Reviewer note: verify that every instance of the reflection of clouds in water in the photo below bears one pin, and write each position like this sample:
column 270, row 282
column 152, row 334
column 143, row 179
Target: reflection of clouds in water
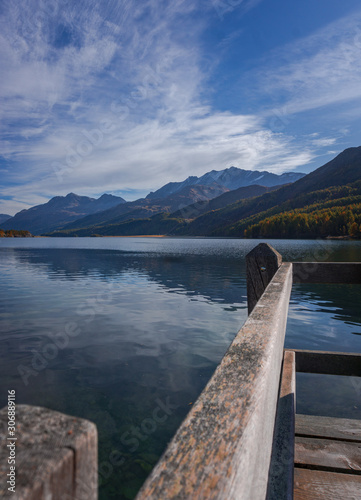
column 324, row 317
column 330, row 331
column 145, row 322
column 206, row 275
column 300, row 315
column 159, row 344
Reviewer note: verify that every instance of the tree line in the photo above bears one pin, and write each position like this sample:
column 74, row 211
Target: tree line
column 341, row 220
column 13, row 233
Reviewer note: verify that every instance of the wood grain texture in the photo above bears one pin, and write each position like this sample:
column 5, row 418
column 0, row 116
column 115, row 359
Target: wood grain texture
column 328, row 363
column 327, row 427
column 280, row 480
column 326, row 454
column 320, row 485
column 327, row 272
column 261, row 265
column 223, row 448
column 56, row 456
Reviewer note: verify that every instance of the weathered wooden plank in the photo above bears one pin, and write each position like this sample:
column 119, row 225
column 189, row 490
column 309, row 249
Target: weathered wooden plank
column 326, row 454
column 223, row 448
column 327, row 427
column 329, row 363
column 56, row 456
column 261, row 265
column 280, row 480
column 327, row 272
column 320, row 485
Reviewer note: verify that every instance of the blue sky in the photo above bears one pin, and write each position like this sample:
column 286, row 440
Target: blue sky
column 122, row 96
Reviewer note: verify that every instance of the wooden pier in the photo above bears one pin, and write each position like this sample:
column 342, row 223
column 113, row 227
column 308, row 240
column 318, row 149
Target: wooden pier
column 242, row 439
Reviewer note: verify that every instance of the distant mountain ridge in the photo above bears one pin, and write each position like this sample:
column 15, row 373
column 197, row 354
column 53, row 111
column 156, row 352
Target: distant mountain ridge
column 4, row 217
column 146, row 207
column 59, row 211
column 231, row 178
column 77, row 212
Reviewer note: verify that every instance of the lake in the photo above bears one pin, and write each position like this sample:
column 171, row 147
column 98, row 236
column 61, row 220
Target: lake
column 121, row 330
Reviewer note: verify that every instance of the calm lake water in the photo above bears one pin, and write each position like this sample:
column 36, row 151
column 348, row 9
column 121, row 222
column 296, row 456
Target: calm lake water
column 126, row 332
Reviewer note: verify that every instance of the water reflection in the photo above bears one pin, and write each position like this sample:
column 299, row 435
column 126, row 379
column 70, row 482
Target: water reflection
column 217, row 279
column 140, row 331
column 326, row 318
column 146, row 323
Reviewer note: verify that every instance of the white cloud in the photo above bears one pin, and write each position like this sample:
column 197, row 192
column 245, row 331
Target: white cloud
column 85, row 64
column 146, row 155
column 324, row 142
column 321, row 70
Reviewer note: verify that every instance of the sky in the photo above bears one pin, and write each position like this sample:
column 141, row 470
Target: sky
column 123, row 96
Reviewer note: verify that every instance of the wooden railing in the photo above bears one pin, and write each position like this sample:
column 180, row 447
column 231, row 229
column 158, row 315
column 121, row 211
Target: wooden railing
column 223, row 448
column 237, row 442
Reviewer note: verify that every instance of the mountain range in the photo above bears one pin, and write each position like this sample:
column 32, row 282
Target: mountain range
column 77, row 212
column 342, row 170
column 326, row 202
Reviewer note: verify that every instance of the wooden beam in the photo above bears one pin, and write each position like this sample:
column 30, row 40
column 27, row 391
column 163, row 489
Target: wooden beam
column 327, row 272
column 223, row 448
column 280, row 481
column 320, row 485
column 261, row 265
column 56, row 456
column 342, row 429
column 329, row 455
column 328, row 363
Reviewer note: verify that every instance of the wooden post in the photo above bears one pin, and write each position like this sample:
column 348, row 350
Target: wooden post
column 261, row 263
column 56, row 456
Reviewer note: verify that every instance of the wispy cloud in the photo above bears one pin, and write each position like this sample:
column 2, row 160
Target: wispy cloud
column 136, row 76
column 320, row 70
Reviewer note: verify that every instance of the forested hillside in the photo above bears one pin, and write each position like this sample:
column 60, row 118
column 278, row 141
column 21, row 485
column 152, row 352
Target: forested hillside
column 328, row 212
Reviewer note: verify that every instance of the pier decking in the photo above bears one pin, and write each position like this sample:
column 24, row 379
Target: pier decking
column 327, row 458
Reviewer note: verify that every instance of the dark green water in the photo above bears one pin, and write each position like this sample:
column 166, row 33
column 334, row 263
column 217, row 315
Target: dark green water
column 126, row 332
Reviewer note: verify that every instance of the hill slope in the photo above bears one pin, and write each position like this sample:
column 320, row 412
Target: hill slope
column 242, row 193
